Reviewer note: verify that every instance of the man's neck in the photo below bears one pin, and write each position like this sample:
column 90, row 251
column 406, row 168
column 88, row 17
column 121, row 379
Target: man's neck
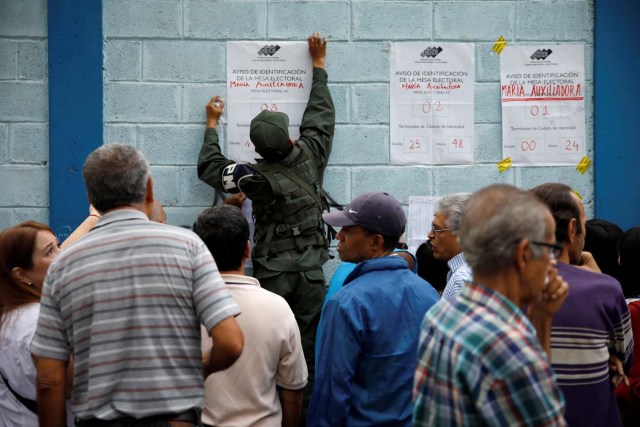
column 505, row 282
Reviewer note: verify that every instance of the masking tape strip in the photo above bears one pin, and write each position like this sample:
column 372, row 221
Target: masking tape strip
column 499, row 46
column 583, row 165
column 504, row 165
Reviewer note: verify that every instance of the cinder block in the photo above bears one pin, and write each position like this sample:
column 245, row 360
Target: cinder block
column 529, row 177
column 196, row 96
column 400, row 182
column 341, row 101
column 8, row 59
column 358, row 62
column 488, row 63
column 123, row 134
column 473, row 20
column 32, row 214
column 183, row 61
column 171, row 145
column 23, row 18
column 545, row 20
column 142, row 18
column 360, row 145
column 337, row 184
column 24, row 101
column 488, row 107
column 379, row 20
column 165, row 184
column 183, row 217
column 4, row 143
column 244, row 20
column 29, row 185
column 371, row 103
column 488, row 144
column 32, row 60
column 295, row 21
column 192, row 191
column 6, row 218
column 29, row 143
column 122, row 60
column 141, row 102
column 454, row 179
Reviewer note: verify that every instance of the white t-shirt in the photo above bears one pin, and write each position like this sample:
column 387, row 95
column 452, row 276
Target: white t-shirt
column 245, row 394
column 16, row 364
column 18, row 328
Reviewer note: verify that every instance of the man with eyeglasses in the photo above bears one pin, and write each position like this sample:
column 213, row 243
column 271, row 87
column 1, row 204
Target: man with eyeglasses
column 591, row 338
column 444, row 241
column 481, row 360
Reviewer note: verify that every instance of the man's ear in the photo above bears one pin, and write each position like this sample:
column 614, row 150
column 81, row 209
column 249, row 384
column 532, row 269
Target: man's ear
column 247, row 250
column 378, row 242
column 149, row 194
column 520, row 255
column 571, row 230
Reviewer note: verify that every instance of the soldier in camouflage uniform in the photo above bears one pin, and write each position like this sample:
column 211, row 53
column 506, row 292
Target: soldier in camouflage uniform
column 290, row 244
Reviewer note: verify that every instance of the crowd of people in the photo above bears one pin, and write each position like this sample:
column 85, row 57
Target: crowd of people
column 500, row 318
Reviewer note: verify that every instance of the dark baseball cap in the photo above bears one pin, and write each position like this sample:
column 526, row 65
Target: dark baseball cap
column 376, row 212
column 269, row 133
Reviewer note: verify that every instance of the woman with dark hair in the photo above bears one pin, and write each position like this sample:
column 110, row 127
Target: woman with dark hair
column 629, row 258
column 26, row 251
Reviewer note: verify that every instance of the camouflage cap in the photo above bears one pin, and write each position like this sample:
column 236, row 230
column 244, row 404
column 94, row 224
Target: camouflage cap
column 270, row 134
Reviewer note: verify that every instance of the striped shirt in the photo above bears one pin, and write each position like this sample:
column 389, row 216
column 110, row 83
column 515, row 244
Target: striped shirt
column 459, row 274
column 127, row 301
column 592, row 323
column 480, row 363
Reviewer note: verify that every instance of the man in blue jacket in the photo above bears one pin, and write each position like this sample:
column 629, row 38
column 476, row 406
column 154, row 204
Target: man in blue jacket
column 370, row 327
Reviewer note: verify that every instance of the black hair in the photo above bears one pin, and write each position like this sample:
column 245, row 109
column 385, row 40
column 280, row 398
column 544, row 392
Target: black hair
column 225, row 231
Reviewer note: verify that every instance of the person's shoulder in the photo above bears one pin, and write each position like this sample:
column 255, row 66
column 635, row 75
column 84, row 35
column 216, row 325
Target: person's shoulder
column 586, row 279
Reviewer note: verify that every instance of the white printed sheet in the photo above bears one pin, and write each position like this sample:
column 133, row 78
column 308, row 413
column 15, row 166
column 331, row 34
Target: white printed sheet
column 542, row 91
column 264, row 75
column 431, row 102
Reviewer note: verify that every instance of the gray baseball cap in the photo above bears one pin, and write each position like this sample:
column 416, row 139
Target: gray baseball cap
column 376, row 212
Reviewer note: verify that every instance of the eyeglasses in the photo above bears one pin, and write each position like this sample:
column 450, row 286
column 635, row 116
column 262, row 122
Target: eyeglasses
column 437, row 231
column 555, row 250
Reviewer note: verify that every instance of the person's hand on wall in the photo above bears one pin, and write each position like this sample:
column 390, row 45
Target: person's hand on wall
column 317, row 49
column 214, row 109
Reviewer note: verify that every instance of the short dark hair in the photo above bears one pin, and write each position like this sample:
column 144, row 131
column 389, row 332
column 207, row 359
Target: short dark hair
column 225, row 231
column 563, row 206
column 115, row 175
column 602, row 241
column 629, row 250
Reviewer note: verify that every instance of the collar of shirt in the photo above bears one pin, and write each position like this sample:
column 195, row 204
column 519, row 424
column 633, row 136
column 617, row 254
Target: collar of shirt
column 238, row 279
column 455, row 262
column 497, row 303
column 120, row 215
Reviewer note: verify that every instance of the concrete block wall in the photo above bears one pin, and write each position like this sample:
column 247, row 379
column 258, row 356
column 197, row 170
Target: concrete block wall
column 24, row 116
column 164, row 59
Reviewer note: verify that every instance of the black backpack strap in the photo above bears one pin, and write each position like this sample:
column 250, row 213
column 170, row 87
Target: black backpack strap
column 28, row 403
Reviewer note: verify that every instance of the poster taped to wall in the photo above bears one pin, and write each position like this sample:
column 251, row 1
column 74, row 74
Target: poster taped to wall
column 264, row 75
column 431, row 101
column 542, row 91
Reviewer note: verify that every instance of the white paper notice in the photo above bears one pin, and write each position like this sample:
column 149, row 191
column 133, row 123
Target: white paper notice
column 264, row 75
column 543, row 104
column 431, row 91
column 421, row 209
